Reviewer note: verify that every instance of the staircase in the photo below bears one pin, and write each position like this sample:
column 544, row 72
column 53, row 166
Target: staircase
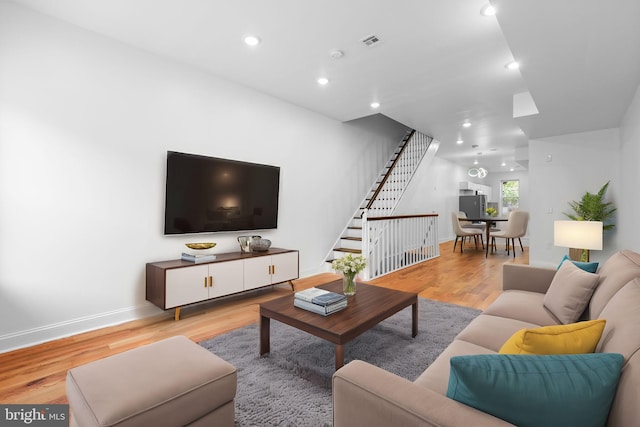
column 385, row 194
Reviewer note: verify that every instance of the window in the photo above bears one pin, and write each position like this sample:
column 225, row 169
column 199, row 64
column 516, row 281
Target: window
column 509, row 196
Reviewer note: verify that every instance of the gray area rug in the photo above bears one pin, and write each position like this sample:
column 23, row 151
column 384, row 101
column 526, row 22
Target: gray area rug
column 291, row 386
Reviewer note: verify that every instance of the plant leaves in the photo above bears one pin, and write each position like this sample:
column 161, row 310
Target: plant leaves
column 592, row 207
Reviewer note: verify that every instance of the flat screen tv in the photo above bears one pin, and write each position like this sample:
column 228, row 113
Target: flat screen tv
column 208, row 194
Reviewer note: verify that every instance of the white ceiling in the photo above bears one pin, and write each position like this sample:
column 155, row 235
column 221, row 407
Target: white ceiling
column 439, row 62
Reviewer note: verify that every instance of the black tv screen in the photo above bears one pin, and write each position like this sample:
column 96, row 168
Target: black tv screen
column 208, row 194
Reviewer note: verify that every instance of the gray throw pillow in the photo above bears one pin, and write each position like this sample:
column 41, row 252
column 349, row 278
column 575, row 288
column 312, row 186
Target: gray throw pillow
column 570, row 292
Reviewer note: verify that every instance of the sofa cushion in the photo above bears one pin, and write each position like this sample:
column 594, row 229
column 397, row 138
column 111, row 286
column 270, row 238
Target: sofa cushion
column 570, row 292
column 622, row 335
column 574, row 338
column 436, row 376
column 590, row 267
column 616, row 272
column 526, row 306
column 491, row 332
column 566, row 390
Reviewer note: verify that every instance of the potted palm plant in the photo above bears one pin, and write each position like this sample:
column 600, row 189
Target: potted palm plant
column 592, row 207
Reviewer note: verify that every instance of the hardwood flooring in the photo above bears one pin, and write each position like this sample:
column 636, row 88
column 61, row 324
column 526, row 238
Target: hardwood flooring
column 36, row 375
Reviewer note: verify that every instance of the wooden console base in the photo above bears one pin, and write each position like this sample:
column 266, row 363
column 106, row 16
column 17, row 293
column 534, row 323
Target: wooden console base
column 178, row 283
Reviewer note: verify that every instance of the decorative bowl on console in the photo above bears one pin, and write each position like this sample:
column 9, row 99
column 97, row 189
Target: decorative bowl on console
column 200, row 246
column 260, row 245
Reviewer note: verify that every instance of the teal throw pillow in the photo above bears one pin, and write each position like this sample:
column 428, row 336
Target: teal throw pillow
column 533, row 391
column 590, row 267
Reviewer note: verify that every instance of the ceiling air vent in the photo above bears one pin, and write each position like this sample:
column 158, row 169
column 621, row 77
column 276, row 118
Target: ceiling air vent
column 371, row 40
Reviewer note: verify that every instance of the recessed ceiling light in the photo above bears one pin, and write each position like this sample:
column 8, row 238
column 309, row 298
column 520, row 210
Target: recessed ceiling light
column 511, row 170
column 459, row 141
column 323, row 81
column 503, row 164
column 475, row 162
column 252, row 40
column 513, row 65
column 488, row 10
column 375, row 105
column 466, row 124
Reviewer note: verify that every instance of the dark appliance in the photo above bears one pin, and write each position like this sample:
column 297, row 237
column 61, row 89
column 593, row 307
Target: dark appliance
column 209, row 194
column 474, row 206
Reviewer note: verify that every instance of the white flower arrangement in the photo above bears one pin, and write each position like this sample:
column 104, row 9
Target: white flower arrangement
column 350, row 264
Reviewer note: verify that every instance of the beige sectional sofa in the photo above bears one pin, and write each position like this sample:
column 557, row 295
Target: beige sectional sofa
column 364, row 395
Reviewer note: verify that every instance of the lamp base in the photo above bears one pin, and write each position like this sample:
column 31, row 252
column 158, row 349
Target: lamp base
column 576, row 254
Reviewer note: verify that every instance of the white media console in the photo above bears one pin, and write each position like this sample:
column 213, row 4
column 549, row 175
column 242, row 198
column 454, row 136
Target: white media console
column 177, row 283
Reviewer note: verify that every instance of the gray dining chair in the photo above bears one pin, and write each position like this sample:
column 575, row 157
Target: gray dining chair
column 516, row 228
column 468, row 224
column 462, row 233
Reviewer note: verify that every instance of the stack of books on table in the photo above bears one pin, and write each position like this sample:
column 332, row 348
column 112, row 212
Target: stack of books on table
column 320, row 301
column 198, row 257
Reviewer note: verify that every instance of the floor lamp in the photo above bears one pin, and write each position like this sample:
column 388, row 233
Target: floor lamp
column 579, row 237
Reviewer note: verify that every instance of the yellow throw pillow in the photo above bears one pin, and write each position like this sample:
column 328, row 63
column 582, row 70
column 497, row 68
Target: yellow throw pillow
column 574, row 338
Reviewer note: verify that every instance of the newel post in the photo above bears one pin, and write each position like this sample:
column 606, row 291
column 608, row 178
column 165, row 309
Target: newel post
column 366, row 275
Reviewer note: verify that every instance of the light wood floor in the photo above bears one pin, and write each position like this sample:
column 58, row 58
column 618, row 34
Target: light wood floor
column 36, row 375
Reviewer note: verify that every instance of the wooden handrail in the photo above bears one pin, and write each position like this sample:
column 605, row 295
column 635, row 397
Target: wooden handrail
column 383, row 218
column 386, row 176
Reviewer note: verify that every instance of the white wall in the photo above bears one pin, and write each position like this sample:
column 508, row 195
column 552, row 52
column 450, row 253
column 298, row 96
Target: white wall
column 434, row 189
column 85, row 123
column 629, row 201
column 579, row 162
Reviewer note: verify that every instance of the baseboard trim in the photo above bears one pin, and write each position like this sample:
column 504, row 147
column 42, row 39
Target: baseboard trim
column 42, row 334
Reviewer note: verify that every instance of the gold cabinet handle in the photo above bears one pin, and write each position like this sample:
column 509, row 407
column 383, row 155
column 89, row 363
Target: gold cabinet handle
column 211, row 281
column 205, row 282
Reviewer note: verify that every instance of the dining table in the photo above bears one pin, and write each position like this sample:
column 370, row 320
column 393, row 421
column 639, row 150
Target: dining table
column 489, row 221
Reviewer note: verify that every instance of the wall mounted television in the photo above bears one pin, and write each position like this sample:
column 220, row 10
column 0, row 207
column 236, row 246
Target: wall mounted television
column 209, row 194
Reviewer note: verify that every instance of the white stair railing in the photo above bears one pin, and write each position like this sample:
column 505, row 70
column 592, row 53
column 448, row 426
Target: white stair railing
column 395, row 242
column 386, row 199
column 389, row 242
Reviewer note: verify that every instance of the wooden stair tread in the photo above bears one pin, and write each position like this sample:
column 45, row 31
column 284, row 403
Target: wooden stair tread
column 349, row 250
column 357, row 239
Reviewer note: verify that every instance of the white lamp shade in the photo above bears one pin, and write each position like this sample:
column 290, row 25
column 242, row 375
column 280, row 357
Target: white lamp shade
column 578, row 234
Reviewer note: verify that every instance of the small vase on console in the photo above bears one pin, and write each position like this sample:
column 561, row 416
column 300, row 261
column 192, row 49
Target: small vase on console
column 245, row 243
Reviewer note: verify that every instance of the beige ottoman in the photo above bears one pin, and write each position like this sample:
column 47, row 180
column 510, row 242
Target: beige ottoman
column 173, row 382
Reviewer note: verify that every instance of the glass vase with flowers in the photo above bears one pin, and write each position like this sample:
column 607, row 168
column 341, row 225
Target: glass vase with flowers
column 349, row 265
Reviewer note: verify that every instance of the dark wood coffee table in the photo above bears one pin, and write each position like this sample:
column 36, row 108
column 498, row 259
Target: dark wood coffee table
column 370, row 306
